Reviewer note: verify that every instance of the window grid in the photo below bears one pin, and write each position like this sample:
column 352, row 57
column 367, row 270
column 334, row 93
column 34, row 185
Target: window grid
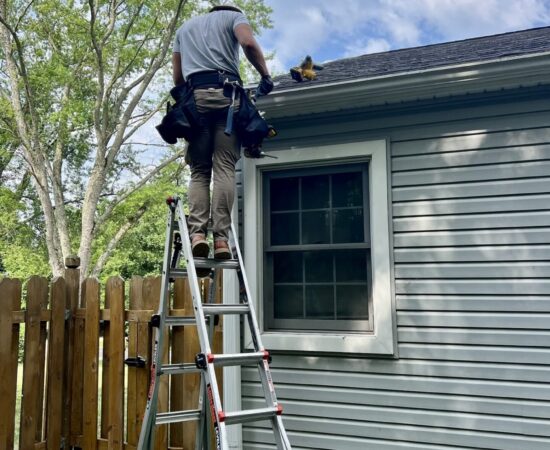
column 270, row 250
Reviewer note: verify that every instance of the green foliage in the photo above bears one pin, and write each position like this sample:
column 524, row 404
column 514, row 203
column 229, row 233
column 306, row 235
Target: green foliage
column 22, row 251
column 73, row 62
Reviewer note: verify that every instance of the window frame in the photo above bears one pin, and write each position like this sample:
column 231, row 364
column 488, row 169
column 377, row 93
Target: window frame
column 382, row 340
column 314, row 325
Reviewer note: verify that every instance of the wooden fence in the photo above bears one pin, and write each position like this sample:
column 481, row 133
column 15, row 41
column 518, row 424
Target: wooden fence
column 76, row 390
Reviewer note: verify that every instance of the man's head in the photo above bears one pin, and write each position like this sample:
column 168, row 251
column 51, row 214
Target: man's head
column 225, row 7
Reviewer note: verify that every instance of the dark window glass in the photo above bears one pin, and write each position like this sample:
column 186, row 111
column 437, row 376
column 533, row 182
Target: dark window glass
column 318, row 267
column 320, row 260
column 347, row 189
column 284, row 194
column 288, row 302
column 352, row 302
column 315, row 192
column 348, row 225
column 320, row 302
column 351, row 265
column 285, row 229
column 287, row 267
column 316, row 227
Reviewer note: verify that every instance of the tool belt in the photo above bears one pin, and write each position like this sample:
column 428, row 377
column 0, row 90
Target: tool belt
column 211, row 79
column 182, row 120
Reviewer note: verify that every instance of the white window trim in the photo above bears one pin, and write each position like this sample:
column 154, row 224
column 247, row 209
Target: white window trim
column 381, row 341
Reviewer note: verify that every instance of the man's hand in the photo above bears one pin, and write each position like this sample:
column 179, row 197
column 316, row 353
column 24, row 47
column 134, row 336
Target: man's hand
column 265, row 86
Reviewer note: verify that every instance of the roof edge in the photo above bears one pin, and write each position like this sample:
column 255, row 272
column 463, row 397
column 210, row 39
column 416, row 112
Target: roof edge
column 472, row 77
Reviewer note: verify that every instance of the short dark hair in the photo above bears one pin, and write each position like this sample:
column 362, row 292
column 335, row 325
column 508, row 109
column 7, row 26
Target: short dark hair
column 225, row 8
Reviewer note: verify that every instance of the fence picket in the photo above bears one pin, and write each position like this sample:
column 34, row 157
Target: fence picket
column 10, row 292
column 133, row 415
column 78, row 372
column 91, row 350
column 31, row 409
column 55, row 365
column 115, row 294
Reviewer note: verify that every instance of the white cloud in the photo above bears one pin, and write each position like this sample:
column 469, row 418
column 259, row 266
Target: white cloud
column 332, row 29
column 361, row 47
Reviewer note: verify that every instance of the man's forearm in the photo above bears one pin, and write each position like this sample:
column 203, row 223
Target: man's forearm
column 254, row 54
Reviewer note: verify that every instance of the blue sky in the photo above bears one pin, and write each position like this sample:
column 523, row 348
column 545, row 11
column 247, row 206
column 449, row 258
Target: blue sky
column 333, row 29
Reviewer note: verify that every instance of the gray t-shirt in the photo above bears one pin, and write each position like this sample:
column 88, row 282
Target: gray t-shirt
column 208, row 42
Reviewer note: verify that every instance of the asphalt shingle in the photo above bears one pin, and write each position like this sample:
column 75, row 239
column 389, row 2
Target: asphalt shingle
column 485, row 48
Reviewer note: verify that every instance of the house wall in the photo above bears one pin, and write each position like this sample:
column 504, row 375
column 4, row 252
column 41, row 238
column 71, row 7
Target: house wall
column 470, row 187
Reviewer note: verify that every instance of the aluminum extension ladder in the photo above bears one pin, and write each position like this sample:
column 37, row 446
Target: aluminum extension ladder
column 177, row 235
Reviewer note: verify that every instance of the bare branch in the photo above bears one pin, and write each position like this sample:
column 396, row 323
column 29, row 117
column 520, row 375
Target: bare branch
column 116, row 239
column 22, row 16
column 125, row 194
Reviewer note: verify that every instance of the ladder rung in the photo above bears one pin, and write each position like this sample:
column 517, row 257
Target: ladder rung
column 250, row 415
column 210, row 263
column 176, row 369
column 178, row 416
column 225, row 309
column 177, row 273
column 179, row 321
column 235, row 359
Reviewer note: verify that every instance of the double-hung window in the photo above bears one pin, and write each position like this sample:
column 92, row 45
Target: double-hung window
column 317, row 248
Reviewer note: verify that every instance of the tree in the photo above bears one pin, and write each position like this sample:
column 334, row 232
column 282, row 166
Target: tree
column 79, row 80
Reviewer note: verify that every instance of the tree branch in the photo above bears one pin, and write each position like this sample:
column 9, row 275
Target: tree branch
column 127, row 193
column 116, row 239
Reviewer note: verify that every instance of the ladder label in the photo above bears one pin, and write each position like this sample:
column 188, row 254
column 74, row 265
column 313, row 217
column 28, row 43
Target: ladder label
column 213, row 413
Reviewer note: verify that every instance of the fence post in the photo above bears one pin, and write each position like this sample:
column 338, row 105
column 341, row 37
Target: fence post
column 56, row 337
column 10, row 292
column 72, row 286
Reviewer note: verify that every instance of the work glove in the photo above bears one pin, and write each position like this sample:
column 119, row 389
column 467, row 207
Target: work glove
column 265, row 86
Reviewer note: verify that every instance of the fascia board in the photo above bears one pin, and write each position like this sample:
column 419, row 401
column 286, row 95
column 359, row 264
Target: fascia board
column 504, row 73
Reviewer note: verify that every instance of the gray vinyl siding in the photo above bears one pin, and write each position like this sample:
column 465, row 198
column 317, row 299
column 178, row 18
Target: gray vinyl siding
column 470, row 188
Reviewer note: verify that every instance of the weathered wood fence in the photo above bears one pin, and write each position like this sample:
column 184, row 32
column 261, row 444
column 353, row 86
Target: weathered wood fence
column 76, row 390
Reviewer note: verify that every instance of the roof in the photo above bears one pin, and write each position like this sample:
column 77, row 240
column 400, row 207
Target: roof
column 479, row 49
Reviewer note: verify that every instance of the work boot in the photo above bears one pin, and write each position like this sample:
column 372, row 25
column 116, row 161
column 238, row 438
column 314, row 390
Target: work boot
column 200, row 246
column 200, row 249
column 221, row 250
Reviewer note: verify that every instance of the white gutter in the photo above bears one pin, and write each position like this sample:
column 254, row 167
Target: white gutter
column 494, row 75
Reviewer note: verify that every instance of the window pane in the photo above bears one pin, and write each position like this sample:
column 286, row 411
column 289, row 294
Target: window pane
column 318, row 267
column 352, row 302
column 285, row 229
column 287, row 267
column 351, row 265
column 347, row 189
column 315, row 192
column 320, row 302
column 348, row 225
column 288, row 302
column 284, row 194
column 315, row 227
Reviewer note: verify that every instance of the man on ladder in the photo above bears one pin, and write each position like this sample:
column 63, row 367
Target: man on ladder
column 206, row 56
column 205, row 72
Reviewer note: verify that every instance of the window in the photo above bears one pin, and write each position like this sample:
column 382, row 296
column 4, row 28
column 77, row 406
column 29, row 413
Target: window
column 317, row 249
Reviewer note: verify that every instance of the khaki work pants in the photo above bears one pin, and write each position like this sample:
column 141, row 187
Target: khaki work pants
column 212, row 154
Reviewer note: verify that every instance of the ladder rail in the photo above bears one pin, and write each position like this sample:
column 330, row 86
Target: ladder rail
column 212, row 390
